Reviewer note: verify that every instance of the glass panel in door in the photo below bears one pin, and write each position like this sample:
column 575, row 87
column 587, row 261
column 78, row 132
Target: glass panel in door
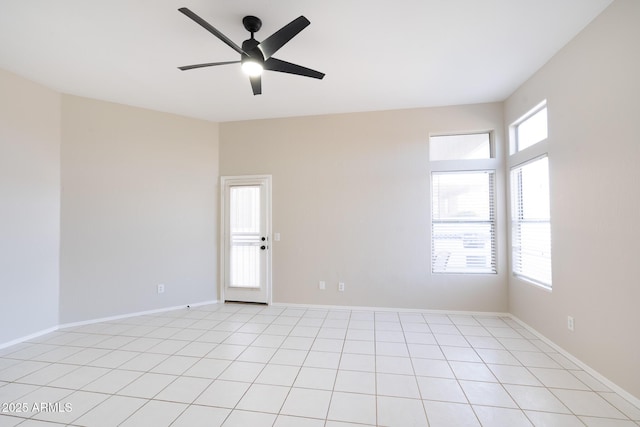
column 245, row 234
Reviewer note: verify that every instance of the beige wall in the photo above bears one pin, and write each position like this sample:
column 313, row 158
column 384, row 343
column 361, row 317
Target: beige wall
column 351, row 201
column 592, row 89
column 29, row 207
column 139, row 208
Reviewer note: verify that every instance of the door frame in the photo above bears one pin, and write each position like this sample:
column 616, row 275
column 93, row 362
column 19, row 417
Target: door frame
column 239, row 179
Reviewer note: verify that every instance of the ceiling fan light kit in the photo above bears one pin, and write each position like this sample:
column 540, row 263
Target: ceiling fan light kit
column 257, row 56
column 251, row 67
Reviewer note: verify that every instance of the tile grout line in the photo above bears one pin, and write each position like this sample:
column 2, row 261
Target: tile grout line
column 248, row 345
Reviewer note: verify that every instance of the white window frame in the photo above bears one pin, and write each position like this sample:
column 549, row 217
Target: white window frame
column 518, row 159
column 492, row 151
column 491, row 164
column 514, row 146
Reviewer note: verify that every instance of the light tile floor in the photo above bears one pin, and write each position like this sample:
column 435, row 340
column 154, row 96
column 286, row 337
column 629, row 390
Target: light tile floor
column 253, row 366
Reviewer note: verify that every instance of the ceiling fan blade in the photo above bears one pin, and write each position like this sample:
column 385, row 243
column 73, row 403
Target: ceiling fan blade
column 256, row 84
column 275, row 41
column 209, row 64
column 274, row 64
column 204, row 24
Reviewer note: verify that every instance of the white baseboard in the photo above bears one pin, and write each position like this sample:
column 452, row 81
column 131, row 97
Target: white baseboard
column 100, row 320
column 597, row 375
column 28, row 337
column 385, row 309
column 199, row 304
column 127, row 315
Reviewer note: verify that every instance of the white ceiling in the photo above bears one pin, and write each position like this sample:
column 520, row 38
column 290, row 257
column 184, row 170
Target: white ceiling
column 377, row 54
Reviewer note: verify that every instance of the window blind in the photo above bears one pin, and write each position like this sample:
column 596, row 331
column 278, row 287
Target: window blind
column 463, row 222
column 531, row 221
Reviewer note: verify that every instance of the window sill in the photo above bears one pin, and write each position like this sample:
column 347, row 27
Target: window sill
column 528, row 281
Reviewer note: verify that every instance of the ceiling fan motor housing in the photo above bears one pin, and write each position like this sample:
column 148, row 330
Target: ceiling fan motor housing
column 250, row 47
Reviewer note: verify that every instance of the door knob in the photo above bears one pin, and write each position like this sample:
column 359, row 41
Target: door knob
column 263, row 247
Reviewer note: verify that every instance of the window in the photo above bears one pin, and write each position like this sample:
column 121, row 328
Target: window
column 530, row 129
column 460, row 147
column 531, row 221
column 463, row 222
column 530, row 198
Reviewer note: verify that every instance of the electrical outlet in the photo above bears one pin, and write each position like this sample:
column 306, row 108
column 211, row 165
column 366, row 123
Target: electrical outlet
column 570, row 323
column 161, row 289
column 341, row 286
column 322, row 285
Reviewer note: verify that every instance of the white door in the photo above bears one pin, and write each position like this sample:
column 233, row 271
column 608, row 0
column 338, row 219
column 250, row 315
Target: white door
column 246, row 224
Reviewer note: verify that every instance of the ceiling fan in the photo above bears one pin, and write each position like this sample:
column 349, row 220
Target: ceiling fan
column 256, row 56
